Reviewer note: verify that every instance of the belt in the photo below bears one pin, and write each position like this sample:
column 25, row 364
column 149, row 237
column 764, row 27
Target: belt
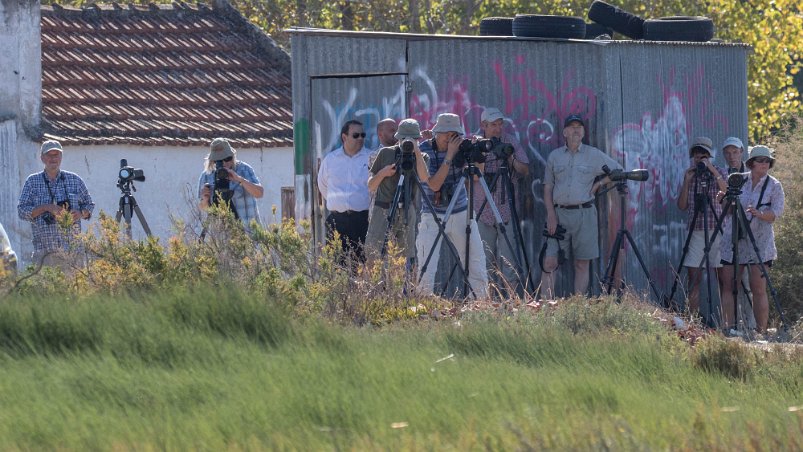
column 349, row 212
column 584, row 205
column 382, row 205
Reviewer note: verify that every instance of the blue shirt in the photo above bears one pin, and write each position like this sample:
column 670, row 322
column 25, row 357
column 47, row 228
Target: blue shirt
column 243, row 202
column 39, row 190
column 441, row 201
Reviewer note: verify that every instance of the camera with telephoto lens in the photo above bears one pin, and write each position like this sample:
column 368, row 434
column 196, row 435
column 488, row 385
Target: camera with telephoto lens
column 501, row 150
column 472, row 152
column 49, row 218
column 701, row 171
column 405, row 157
column 638, row 175
column 129, row 173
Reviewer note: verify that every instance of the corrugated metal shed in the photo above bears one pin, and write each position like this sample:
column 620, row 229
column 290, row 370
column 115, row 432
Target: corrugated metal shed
column 643, row 103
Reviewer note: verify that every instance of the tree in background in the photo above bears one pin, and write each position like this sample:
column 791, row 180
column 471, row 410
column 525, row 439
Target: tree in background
column 773, row 27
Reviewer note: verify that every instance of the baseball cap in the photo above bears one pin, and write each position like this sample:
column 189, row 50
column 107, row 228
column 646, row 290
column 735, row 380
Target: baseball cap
column 704, row 143
column 572, row 118
column 49, row 145
column 491, row 114
column 733, row 141
column 448, row 122
column 220, row 149
column 408, row 128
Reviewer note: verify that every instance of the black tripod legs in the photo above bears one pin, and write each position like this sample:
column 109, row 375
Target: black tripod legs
column 128, row 208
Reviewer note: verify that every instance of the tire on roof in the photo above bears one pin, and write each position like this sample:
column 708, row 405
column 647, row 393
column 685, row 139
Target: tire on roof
column 618, row 19
column 593, row 30
column 496, row 26
column 679, row 28
column 544, row 26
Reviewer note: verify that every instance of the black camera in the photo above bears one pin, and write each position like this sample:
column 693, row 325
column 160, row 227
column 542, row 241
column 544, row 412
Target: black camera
column 49, row 218
column 221, row 175
column 737, row 180
column 501, row 150
column 129, row 173
column 701, row 171
column 405, row 157
column 638, row 175
column 472, row 152
column 560, row 233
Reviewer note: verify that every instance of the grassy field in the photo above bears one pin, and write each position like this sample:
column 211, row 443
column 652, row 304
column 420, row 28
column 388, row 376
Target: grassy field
column 213, row 369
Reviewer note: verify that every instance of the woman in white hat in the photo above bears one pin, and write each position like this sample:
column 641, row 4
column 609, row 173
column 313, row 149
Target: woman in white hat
column 762, row 199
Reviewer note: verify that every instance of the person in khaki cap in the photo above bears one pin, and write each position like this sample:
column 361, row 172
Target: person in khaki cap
column 384, row 180
column 243, row 184
column 762, row 199
column 441, row 187
column 45, row 197
column 701, row 183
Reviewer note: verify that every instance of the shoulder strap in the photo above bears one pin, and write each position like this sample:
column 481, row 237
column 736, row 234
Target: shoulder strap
column 761, row 195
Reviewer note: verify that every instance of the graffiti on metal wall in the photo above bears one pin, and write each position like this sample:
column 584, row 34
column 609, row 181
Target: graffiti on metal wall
column 660, row 144
column 353, row 107
column 527, row 101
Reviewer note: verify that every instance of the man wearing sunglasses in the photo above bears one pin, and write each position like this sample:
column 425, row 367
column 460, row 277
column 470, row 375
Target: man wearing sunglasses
column 343, row 183
column 243, row 182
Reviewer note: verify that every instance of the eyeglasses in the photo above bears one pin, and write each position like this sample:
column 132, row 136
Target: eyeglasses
column 229, row 158
column 358, row 135
column 761, row 160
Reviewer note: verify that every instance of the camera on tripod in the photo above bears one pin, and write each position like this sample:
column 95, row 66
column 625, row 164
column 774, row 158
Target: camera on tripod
column 737, row 180
column 129, row 173
column 49, row 218
column 638, row 175
column 472, row 152
column 405, row 157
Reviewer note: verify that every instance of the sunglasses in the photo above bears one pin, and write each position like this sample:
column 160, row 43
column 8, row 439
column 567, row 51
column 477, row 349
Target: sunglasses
column 229, row 158
column 358, row 135
column 762, row 160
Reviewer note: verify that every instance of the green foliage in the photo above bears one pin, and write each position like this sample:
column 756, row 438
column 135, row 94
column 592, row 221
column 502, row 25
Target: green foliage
column 787, row 275
column 216, row 368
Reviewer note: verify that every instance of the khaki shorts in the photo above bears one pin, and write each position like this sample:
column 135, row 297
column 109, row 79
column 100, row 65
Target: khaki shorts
column 694, row 257
column 581, row 234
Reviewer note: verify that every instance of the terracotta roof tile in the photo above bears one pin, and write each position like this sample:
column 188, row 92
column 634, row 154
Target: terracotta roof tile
column 162, row 75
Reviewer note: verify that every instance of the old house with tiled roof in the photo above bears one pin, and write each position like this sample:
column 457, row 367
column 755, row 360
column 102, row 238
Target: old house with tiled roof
column 153, row 85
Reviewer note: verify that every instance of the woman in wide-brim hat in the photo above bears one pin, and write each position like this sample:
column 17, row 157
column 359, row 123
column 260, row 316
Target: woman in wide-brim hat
column 762, row 199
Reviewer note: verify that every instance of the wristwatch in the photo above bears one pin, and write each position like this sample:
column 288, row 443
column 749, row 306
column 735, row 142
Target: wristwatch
column 447, row 162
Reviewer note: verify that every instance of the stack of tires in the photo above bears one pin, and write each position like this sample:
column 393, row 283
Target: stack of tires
column 607, row 19
column 674, row 28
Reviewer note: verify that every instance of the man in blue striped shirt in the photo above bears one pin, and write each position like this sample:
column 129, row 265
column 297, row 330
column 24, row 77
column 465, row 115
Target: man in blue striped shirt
column 46, row 196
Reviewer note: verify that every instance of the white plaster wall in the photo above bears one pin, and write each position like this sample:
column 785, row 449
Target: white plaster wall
column 171, row 177
column 20, row 109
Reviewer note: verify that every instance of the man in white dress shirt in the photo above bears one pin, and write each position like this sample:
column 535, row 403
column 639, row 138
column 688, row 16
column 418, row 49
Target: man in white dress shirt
column 343, row 183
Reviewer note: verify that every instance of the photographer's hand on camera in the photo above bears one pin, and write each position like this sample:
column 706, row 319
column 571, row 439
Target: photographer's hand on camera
column 436, row 180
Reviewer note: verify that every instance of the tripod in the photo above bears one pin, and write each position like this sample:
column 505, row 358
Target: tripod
column 739, row 225
column 702, row 203
column 403, row 186
column 442, row 233
column 507, row 192
column 619, row 244
column 128, row 206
